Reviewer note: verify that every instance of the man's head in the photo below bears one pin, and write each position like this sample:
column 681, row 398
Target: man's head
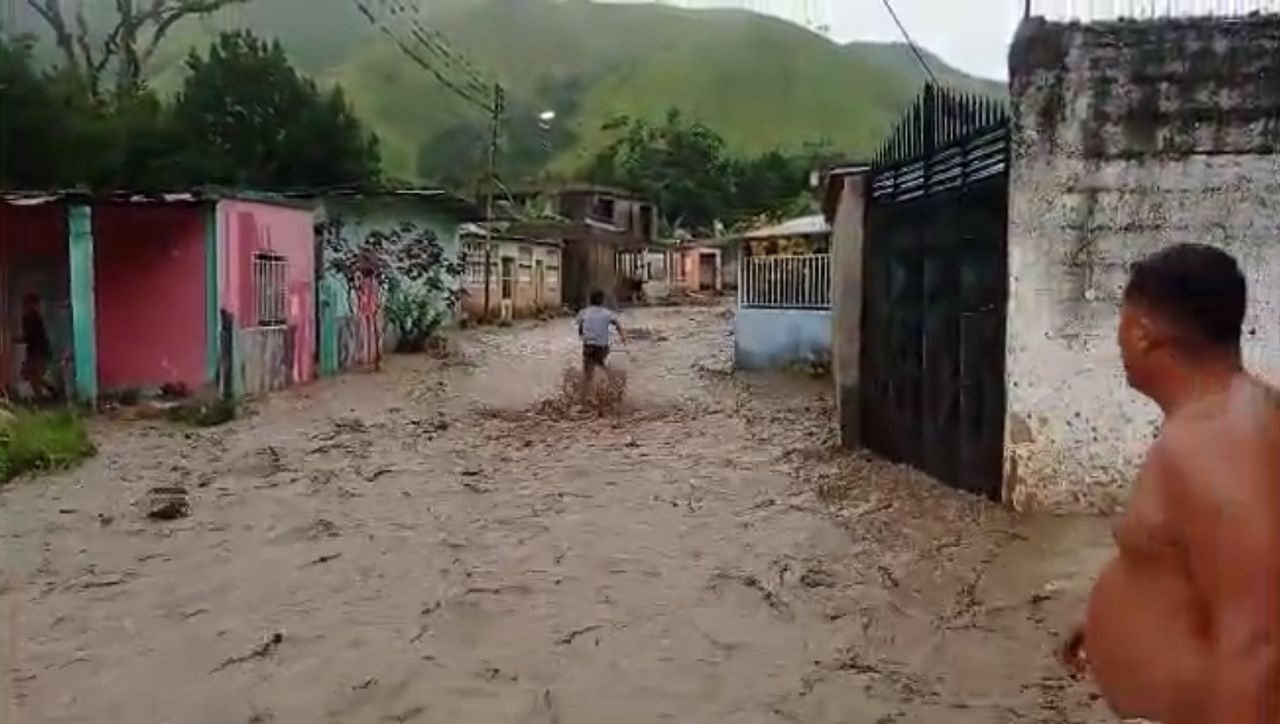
column 31, row 302
column 597, row 298
column 1183, row 307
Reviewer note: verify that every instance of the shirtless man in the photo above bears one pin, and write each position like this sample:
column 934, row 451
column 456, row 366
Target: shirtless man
column 1183, row 626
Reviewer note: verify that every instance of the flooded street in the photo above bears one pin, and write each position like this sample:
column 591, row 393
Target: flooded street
column 435, row 543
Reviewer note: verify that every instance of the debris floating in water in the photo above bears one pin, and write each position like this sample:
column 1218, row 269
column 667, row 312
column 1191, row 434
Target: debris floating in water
column 608, row 389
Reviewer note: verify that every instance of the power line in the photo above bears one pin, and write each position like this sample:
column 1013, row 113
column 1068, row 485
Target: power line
column 417, row 58
column 444, row 57
column 454, row 71
column 911, row 43
column 436, row 44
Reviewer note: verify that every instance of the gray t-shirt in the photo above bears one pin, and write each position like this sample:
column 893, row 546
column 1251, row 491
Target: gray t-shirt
column 593, row 325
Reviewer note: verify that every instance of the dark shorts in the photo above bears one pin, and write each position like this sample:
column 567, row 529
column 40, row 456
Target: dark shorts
column 594, row 355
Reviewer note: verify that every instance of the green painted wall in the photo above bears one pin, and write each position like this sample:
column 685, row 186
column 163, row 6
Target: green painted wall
column 328, row 296
column 83, row 334
column 362, row 216
column 213, row 347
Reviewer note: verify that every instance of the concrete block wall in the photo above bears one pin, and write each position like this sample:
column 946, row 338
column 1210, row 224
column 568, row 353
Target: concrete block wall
column 846, row 307
column 1128, row 137
column 771, row 339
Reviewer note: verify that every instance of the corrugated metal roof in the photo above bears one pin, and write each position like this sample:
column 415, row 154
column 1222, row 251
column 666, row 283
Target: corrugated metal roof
column 463, row 208
column 500, row 233
column 37, row 198
column 801, row 226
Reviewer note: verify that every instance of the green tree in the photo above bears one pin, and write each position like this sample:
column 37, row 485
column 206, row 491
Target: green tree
column 685, row 167
column 43, row 123
column 247, row 118
column 123, row 51
column 680, row 164
column 769, row 183
column 411, row 268
column 54, row 133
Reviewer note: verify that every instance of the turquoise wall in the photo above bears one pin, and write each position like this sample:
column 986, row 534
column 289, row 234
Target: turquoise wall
column 362, row 216
column 83, row 304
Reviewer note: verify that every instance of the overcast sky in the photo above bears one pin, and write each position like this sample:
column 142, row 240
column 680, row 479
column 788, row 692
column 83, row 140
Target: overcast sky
column 972, row 35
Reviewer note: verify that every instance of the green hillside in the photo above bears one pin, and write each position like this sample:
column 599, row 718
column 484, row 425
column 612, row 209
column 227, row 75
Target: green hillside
column 898, row 59
column 761, row 82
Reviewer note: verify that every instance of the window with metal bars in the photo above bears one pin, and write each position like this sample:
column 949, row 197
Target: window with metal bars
column 473, row 254
column 526, row 264
column 271, row 291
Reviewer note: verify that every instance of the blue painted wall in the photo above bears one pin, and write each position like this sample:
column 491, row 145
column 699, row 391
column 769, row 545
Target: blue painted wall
column 766, row 339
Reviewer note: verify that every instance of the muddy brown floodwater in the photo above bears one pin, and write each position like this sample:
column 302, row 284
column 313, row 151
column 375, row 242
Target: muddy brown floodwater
column 434, row 543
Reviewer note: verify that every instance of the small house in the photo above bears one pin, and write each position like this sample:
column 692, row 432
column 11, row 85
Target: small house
column 353, row 329
column 594, row 225
column 187, row 291
column 524, row 273
column 697, row 267
column 783, row 315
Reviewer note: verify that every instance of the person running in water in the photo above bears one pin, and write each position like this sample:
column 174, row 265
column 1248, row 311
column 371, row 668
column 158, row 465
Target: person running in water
column 594, row 324
column 1183, row 625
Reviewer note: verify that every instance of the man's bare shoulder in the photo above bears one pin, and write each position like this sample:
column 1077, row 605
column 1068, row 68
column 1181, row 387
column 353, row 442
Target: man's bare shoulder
column 1224, row 452
column 1265, row 397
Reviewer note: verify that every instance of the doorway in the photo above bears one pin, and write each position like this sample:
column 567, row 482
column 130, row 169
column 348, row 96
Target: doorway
column 539, row 284
column 508, row 277
column 707, row 269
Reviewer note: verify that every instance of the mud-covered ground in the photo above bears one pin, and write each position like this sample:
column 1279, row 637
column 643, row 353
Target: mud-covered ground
column 434, row 544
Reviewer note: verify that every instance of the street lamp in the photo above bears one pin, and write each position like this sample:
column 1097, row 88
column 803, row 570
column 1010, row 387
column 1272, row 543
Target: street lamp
column 544, row 125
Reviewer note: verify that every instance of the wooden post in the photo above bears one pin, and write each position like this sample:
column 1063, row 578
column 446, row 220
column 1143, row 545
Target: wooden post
column 84, row 341
column 492, row 189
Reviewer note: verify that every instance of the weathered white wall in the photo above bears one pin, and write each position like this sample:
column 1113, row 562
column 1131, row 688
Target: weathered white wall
column 1128, row 137
column 846, row 306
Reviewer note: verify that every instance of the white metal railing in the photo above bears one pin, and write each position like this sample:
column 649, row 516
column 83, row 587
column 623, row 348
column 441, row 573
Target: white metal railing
column 785, row 282
column 645, row 266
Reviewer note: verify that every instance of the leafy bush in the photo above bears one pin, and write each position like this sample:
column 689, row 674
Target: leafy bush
column 41, row 441
column 409, row 266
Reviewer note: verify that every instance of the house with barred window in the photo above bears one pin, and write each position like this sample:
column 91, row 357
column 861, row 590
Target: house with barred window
column 524, row 276
column 192, row 291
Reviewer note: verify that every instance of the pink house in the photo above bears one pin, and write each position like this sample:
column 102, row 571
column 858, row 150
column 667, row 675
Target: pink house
column 138, row 292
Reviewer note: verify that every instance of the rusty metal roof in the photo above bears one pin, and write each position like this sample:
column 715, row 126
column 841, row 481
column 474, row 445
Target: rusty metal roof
column 457, row 206
column 460, row 207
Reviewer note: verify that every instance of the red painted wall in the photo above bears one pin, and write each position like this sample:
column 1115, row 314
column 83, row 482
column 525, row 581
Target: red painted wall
column 149, row 266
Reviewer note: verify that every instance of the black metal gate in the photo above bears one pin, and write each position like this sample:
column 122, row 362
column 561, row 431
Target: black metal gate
column 935, row 290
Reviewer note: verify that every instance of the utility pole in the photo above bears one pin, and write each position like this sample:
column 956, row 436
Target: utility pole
column 498, row 102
